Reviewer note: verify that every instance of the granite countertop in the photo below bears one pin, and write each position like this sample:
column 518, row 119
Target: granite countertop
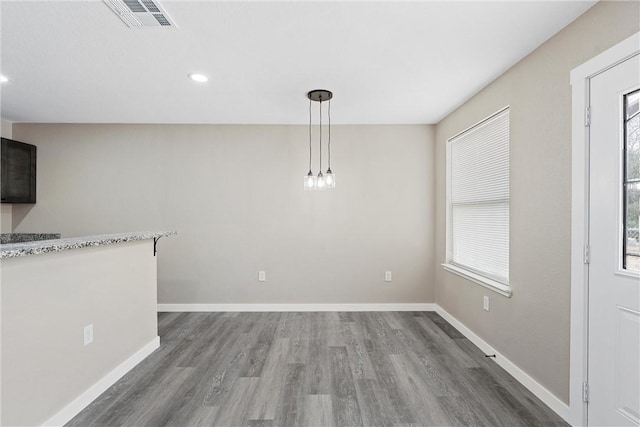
column 6, row 238
column 13, row 250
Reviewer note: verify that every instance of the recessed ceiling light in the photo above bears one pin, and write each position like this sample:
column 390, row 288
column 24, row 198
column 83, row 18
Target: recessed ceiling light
column 201, row 78
column 3, row 79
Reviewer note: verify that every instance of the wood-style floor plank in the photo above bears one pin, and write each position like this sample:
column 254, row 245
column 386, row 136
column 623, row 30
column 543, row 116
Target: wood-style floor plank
column 223, row 370
column 417, row 393
column 271, row 382
column 315, row 369
column 291, row 412
column 318, row 370
column 375, row 407
column 359, row 362
column 318, row 411
column 233, row 411
column 343, row 390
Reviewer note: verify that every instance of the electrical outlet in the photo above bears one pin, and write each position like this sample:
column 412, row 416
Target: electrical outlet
column 262, row 276
column 88, row 334
column 485, row 303
column 387, row 276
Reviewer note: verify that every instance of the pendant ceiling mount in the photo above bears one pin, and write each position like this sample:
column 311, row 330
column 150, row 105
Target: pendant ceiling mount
column 320, row 95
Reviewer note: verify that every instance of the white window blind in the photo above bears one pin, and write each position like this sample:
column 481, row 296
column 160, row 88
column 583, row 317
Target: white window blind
column 479, row 198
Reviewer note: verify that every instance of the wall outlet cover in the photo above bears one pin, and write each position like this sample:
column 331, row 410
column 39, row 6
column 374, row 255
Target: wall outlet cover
column 387, row 276
column 88, row 334
column 485, row 303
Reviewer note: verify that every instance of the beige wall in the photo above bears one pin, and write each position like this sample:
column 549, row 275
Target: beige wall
column 5, row 209
column 532, row 327
column 235, row 196
column 46, row 302
column 5, row 218
column 5, row 128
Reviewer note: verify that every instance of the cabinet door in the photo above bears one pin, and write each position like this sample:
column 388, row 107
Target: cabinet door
column 18, row 172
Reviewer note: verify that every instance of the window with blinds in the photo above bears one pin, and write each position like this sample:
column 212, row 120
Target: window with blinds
column 478, row 201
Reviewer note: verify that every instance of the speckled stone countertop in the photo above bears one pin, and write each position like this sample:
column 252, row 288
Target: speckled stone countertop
column 13, row 250
column 6, row 238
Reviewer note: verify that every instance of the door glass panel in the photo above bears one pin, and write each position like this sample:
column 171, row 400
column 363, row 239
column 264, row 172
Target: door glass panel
column 631, row 185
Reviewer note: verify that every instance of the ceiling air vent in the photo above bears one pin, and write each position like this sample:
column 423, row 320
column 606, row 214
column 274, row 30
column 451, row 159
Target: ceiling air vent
column 141, row 13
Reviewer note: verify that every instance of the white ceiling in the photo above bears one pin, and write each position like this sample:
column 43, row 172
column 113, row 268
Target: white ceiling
column 386, row 62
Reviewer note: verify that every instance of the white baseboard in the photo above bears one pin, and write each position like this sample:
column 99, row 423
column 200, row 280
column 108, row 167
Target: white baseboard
column 82, row 401
column 297, row 307
column 557, row 405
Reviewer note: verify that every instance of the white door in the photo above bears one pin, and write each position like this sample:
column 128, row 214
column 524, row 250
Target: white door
column 614, row 281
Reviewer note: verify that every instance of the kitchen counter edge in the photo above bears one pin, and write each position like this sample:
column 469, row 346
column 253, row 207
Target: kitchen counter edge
column 14, row 250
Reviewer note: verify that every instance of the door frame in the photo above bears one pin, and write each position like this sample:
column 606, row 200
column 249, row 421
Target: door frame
column 580, row 79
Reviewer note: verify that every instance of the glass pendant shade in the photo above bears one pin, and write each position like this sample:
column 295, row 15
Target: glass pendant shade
column 330, row 179
column 309, row 181
column 320, row 182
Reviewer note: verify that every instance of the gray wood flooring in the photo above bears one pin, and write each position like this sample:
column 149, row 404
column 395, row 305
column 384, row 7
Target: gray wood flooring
column 315, row 369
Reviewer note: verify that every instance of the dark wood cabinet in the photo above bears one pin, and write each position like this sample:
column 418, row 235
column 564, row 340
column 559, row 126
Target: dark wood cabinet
column 18, row 172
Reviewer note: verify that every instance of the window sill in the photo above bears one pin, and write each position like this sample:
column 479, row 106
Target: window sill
column 497, row 287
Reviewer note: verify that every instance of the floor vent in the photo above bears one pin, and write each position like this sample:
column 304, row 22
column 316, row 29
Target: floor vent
column 141, row 13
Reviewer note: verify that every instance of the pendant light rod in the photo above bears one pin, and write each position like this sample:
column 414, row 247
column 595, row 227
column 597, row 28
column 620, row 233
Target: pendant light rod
column 320, row 139
column 309, row 135
column 329, row 143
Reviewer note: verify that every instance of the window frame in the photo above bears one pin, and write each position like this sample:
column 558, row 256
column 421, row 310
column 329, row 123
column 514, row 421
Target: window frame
column 622, row 202
column 481, row 278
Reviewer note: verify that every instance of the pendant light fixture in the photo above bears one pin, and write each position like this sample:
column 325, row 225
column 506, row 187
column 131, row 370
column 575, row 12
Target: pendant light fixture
column 320, row 182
